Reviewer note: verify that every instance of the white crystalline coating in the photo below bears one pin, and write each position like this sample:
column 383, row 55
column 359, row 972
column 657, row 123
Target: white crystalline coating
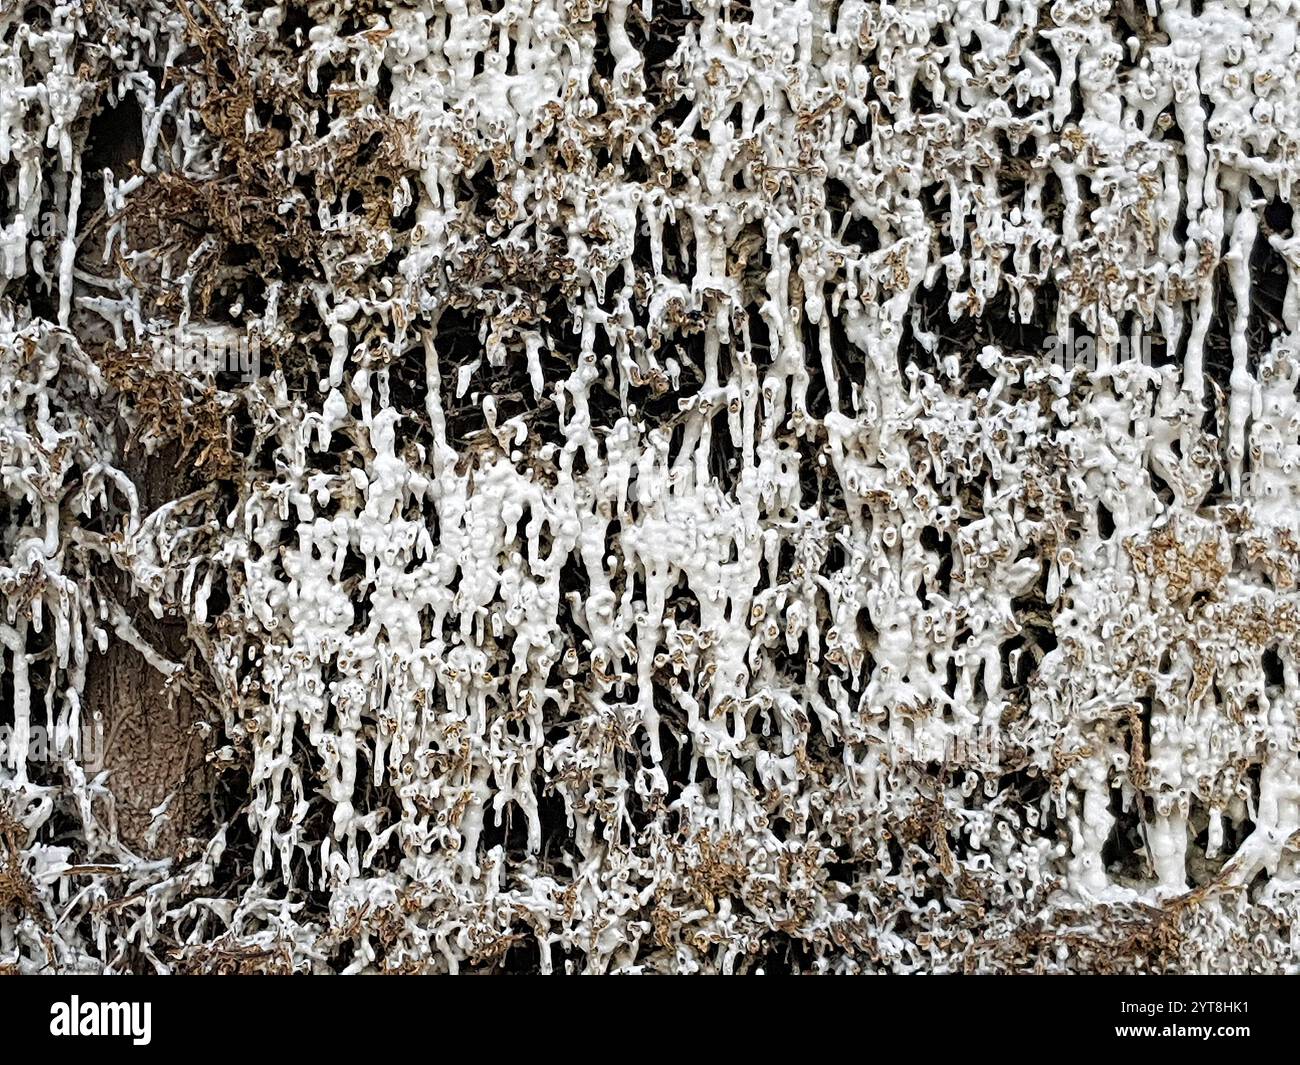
column 657, row 538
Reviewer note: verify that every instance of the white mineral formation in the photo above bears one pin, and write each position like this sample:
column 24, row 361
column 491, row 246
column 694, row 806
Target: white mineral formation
column 630, row 513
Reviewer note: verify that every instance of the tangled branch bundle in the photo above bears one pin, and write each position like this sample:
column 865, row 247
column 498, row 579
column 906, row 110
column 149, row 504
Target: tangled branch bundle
column 636, row 506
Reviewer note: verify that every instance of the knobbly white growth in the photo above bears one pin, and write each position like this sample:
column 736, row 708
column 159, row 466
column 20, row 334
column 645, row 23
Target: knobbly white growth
column 657, row 535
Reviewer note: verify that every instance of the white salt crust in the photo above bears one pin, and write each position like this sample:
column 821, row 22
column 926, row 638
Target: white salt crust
column 769, row 623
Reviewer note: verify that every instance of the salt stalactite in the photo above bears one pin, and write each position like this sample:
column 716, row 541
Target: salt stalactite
column 654, row 532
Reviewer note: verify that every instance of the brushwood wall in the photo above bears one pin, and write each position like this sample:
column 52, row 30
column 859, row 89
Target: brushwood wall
column 602, row 486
